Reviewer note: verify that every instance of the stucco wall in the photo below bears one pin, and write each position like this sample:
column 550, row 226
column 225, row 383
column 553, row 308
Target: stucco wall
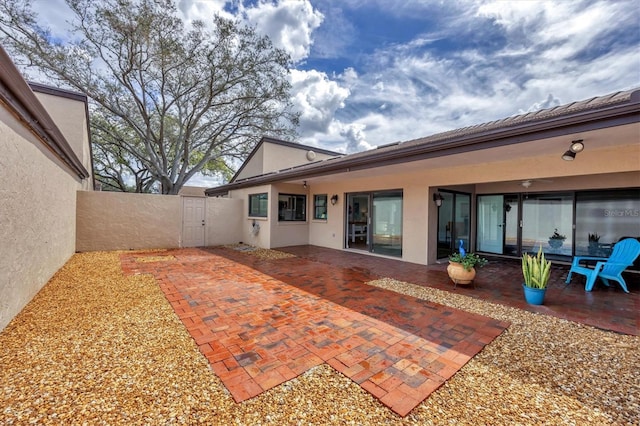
column 255, row 165
column 71, row 118
column 278, row 157
column 121, row 221
column 225, row 218
column 37, row 211
column 289, row 233
column 605, row 167
column 263, row 237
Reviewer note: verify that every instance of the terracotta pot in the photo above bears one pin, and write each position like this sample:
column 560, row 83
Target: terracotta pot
column 459, row 275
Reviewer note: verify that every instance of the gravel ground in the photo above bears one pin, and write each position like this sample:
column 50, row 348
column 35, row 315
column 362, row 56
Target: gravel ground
column 95, row 347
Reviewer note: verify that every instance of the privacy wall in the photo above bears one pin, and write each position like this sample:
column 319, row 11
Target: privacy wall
column 125, row 221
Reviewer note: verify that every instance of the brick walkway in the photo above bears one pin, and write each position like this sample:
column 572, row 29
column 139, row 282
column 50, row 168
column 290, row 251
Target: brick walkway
column 263, row 322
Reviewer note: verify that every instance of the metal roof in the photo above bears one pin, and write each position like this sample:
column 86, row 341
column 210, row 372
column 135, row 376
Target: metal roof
column 598, row 112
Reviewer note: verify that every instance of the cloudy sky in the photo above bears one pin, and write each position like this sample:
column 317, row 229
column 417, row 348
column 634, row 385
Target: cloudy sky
column 372, row 72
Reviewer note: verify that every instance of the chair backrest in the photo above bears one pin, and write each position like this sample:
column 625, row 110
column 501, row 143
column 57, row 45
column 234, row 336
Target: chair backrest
column 624, row 253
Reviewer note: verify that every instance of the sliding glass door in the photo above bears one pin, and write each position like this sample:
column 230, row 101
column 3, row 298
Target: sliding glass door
column 491, row 223
column 374, row 222
column 453, row 222
column 545, row 215
column 387, row 223
column 513, row 224
column 499, row 224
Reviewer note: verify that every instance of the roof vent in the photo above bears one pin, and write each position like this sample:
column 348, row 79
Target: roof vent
column 311, row 155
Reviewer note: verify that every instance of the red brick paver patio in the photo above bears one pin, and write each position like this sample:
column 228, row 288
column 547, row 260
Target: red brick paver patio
column 263, row 322
column 608, row 308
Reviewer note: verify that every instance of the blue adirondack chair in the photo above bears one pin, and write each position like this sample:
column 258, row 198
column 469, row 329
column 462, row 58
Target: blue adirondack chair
column 611, row 268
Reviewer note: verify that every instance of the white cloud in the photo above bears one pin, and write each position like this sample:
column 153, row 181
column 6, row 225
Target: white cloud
column 317, row 98
column 476, row 61
column 545, row 55
column 201, row 10
column 288, row 23
column 356, row 137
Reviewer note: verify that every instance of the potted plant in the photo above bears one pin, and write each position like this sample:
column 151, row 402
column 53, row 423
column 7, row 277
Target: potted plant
column 536, row 271
column 556, row 239
column 462, row 266
column 594, row 244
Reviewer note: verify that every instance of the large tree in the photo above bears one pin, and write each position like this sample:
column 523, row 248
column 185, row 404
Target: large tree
column 168, row 98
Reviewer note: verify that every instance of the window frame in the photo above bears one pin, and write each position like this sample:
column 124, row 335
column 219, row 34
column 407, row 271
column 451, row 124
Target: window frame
column 317, row 206
column 299, row 200
column 257, row 198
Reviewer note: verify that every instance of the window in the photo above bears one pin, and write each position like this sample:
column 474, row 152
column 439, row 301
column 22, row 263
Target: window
column 258, row 205
column 605, row 217
column 292, row 208
column 320, row 207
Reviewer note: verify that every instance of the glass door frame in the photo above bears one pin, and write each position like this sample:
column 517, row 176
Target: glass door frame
column 452, row 228
column 370, row 230
column 357, row 224
column 520, row 202
column 509, row 202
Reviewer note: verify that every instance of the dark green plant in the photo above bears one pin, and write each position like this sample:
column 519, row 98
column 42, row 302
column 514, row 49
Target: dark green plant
column 594, row 238
column 557, row 236
column 469, row 260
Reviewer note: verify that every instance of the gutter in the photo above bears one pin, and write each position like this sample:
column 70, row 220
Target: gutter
column 16, row 94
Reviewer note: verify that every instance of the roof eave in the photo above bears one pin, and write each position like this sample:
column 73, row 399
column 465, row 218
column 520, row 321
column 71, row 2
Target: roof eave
column 16, row 94
column 583, row 120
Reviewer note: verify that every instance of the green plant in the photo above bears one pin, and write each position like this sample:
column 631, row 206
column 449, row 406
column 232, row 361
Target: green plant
column 536, row 270
column 469, row 260
column 594, row 238
column 557, row 236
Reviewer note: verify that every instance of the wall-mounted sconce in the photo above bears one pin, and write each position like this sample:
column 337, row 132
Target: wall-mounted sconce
column 334, row 199
column 437, row 198
column 304, row 184
column 576, row 147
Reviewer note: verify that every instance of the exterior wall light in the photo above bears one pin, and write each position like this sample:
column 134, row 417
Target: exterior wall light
column 437, row 198
column 334, row 199
column 576, row 147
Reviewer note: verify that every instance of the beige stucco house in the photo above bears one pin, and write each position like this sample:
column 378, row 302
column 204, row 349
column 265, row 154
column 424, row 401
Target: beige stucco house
column 45, row 160
column 503, row 188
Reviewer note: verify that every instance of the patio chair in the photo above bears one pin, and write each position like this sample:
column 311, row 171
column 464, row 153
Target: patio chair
column 611, row 268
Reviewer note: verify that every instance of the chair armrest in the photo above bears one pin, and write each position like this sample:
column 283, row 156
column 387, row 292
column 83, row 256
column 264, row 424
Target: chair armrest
column 590, row 258
column 577, row 259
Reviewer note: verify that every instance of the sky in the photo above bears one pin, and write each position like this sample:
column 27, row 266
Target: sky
column 372, row 72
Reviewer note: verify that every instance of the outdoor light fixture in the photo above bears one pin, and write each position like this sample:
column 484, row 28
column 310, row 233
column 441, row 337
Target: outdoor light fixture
column 334, row 199
column 304, row 184
column 437, row 198
column 576, row 147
